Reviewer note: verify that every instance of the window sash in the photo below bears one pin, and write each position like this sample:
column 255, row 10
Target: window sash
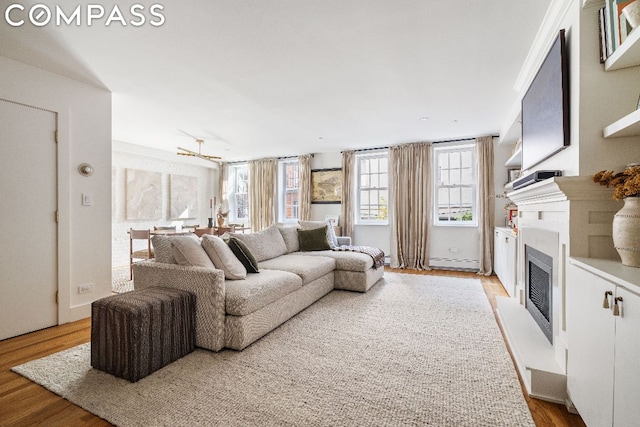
column 455, row 186
column 372, row 188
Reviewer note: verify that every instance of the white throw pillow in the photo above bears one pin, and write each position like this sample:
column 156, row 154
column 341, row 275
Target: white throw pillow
column 331, row 234
column 223, row 257
column 189, row 251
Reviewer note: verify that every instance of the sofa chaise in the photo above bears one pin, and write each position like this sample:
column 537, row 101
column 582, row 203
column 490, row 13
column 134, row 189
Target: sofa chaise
column 249, row 286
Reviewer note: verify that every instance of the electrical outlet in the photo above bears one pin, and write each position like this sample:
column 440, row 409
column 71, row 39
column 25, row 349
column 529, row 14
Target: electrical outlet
column 84, row 289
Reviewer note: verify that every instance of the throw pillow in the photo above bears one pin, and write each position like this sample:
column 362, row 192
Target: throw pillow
column 331, row 234
column 265, row 244
column 243, row 254
column 223, row 258
column 313, row 240
column 189, row 251
column 290, row 236
column 163, row 250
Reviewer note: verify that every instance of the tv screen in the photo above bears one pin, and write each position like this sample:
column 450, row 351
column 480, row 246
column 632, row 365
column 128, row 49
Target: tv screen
column 545, row 108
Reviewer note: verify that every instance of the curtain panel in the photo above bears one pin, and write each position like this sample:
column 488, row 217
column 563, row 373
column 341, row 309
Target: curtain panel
column 304, row 187
column 486, row 203
column 410, row 197
column 223, row 182
column 263, row 176
column 347, row 214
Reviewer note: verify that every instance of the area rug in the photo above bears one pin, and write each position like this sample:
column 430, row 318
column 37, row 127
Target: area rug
column 415, row 350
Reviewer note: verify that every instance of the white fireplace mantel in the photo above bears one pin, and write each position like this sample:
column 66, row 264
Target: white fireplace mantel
column 561, row 216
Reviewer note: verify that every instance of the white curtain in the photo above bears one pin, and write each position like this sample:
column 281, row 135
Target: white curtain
column 410, row 198
column 263, row 175
column 304, row 188
column 486, row 203
column 347, row 214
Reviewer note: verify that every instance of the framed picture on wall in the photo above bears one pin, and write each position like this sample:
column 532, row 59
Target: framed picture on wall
column 326, row 185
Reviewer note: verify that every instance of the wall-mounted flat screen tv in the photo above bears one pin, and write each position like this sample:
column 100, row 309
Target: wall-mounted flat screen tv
column 545, row 108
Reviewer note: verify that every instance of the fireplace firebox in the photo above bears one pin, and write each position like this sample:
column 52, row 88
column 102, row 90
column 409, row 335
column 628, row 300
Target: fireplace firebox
column 538, row 289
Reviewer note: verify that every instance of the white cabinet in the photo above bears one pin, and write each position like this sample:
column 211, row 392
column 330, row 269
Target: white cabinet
column 603, row 371
column 504, row 257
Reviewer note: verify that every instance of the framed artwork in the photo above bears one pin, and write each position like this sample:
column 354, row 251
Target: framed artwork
column 184, row 197
column 144, row 194
column 326, row 185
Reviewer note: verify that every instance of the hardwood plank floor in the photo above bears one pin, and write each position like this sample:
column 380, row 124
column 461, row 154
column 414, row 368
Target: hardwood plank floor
column 24, row 403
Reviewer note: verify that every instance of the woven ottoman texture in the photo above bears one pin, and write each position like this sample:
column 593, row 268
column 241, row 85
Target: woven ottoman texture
column 136, row 333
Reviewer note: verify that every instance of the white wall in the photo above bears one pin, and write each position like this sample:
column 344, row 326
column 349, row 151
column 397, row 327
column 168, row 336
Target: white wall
column 84, row 126
column 129, row 156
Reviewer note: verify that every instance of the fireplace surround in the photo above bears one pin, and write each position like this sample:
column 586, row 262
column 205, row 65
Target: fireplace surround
column 558, row 217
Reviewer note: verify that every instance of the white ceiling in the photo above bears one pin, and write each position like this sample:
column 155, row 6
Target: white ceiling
column 259, row 78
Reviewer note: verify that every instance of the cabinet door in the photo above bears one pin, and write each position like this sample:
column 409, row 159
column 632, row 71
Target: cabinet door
column 626, row 402
column 499, row 259
column 510, row 273
column 591, row 340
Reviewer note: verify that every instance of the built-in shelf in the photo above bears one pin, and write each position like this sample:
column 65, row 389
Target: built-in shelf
column 515, row 160
column 626, row 55
column 629, row 125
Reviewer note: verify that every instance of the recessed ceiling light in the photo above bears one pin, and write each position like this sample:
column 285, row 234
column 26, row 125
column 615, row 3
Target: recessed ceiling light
column 424, row 119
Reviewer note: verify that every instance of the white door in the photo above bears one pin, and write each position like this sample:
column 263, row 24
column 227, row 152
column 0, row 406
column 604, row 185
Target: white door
column 28, row 228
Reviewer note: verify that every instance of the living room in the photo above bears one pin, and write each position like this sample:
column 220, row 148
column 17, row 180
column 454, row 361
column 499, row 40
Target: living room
column 113, row 129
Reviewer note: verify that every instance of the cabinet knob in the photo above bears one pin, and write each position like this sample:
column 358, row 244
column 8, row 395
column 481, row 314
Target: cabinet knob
column 605, row 303
column 616, row 306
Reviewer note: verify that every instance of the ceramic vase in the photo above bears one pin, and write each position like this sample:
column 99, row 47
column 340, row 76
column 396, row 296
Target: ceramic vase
column 220, row 221
column 626, row 232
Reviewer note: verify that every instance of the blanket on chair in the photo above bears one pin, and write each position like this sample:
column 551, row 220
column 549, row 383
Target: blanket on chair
column 375, row 253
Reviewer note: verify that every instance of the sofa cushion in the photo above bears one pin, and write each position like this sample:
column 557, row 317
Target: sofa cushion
column 259, row 290
column 265, row 244
column 188, row 251
column 290, row 237
column 223, row 257
column 348, row 261
column 309, row 269
column 331, row 234
column 242, row 252
column 313, row 240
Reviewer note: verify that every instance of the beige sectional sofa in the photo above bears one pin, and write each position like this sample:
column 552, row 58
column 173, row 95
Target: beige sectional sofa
column 235, row 313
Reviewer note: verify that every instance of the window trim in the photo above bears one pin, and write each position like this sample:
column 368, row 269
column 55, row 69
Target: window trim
column 232, row 197
column 358, row 157
column 474, row 184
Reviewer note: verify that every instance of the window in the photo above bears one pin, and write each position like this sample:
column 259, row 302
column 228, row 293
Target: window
column 288, row 183
column 455, row 185
column 372, row 188
column 240, row 197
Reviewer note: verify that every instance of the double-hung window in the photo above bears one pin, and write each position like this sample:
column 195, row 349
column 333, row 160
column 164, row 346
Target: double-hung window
column 455, row 185
column 288, row 184
column 372, row 188
column 240, row 197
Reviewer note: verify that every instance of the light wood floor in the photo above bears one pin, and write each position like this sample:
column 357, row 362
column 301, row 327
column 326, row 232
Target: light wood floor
column 24, row 403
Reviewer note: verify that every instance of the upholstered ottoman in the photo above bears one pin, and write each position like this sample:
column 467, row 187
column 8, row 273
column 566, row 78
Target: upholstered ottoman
column 136, row 333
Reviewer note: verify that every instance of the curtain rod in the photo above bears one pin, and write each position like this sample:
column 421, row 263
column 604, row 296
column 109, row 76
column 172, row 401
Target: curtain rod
column 277, row 158
column 433, row 142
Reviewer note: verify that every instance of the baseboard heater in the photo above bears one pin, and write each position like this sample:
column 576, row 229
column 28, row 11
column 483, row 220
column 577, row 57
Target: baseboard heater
column 535, row 177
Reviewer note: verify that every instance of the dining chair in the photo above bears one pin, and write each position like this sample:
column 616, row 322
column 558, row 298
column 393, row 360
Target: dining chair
column 191, row 226
column 139, row 254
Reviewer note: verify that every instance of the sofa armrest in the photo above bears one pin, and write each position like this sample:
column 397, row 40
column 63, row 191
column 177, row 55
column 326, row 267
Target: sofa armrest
column 207, row 285
column 344, row 241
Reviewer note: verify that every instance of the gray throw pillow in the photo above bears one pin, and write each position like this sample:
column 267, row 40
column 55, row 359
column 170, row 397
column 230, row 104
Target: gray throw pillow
column 223, row 258
column 313, row 240
column 290, row 236
column 189, row 251
column 244, row 255
column 163, row 250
